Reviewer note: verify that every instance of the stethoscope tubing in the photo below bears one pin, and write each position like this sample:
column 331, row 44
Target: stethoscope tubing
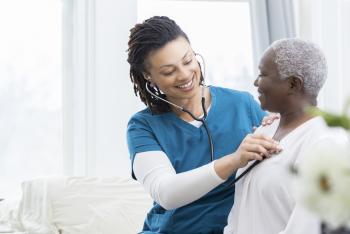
column 254, row 164
column 204, row 124
column 206, row 129
column 202, row 120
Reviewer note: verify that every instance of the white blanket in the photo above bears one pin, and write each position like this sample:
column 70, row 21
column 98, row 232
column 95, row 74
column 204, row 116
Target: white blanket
column 79, row 205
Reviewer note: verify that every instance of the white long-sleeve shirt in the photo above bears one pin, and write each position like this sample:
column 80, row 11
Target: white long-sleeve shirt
column 154, row 171
column 264, row 202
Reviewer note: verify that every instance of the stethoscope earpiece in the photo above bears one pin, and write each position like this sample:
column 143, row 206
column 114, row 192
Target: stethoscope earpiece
column 192, row 115
column 202, row 65
column 148, row 83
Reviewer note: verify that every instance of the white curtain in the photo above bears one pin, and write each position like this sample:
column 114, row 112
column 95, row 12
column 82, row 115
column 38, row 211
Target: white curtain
column 327, row 22
column 271, row 20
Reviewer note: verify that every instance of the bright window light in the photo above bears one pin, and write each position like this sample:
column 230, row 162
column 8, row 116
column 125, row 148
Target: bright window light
column 219, row 30
column 30, row 91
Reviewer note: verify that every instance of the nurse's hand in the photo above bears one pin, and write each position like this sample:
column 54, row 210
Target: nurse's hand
column 255, row 147
column 267, row 120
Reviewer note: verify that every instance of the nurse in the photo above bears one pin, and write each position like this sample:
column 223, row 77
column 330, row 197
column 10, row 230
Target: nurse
column 169, row 149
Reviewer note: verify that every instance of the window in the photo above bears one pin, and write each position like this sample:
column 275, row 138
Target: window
column 219, row 30
column 30, row 91
column 327, row 23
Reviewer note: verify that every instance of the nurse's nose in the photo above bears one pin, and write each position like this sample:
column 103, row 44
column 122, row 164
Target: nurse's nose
column 184, row 73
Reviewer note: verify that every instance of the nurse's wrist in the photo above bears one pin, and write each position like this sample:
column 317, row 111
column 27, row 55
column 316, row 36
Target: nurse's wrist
column 214, row 174
column 225, row 166
column 235, row 162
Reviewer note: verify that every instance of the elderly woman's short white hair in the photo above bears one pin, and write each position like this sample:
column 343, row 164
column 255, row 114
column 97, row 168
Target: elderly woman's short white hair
column 303, row 59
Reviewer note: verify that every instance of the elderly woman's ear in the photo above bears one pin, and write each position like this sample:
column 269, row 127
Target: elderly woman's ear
column 296, row 84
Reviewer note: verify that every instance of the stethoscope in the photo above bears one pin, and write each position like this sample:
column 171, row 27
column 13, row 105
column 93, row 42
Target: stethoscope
column 202, row 120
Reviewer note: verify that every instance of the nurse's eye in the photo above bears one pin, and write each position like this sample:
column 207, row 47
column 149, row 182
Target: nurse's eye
column 188, row 62
column 168, row 73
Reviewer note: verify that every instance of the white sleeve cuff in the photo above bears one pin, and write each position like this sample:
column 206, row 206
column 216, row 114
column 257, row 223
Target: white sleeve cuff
column 214, row 174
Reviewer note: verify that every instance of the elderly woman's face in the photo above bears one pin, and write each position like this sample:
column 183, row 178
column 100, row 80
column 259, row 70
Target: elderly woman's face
column 272, row 90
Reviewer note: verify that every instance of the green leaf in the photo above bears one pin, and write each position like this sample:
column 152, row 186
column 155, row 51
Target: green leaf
column 333, row 120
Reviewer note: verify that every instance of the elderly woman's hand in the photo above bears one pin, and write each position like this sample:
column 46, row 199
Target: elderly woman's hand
column 255, row 147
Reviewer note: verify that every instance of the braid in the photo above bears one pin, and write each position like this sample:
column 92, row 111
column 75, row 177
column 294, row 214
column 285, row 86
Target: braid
column 144, row 38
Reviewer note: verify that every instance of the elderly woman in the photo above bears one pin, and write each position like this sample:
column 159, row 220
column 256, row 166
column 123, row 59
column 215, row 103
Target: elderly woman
column 292, row 72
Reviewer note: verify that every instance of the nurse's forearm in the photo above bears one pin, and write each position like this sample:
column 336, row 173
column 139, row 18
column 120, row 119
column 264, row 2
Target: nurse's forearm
column 225, row 166
column 183, row 188
column 253, row 147
column 170, row 190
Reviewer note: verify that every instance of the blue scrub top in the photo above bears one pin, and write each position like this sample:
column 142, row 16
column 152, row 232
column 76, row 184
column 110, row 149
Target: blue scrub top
column 232, row 116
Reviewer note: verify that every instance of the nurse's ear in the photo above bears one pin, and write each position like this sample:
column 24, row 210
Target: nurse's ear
column 146, row 76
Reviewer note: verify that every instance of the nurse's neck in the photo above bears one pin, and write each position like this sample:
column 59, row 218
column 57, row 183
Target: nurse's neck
column 194, row 105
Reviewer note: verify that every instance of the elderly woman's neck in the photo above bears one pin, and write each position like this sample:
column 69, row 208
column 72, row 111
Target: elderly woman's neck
column 297, row 114
column 290, row 121
column 294, row 118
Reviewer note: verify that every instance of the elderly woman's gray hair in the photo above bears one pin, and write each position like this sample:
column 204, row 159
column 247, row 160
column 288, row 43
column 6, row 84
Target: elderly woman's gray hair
column 303, row 59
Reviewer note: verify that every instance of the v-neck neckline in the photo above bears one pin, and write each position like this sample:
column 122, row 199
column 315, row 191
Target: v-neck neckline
column 296, row 130
column 188, row 125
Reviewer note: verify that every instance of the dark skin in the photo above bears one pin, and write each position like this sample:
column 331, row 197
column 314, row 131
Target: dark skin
column 174, row 69
column 286, row 97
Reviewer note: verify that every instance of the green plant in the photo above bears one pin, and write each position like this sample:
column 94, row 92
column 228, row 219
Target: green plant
column 334, row 120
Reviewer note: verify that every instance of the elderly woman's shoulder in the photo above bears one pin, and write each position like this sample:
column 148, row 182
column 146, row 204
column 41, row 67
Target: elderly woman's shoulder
column 321, row 132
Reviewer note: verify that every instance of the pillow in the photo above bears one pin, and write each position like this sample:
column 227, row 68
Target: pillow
column 83, row 205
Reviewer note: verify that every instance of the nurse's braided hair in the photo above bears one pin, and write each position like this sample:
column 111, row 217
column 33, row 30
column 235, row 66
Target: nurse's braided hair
column 145, row 37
